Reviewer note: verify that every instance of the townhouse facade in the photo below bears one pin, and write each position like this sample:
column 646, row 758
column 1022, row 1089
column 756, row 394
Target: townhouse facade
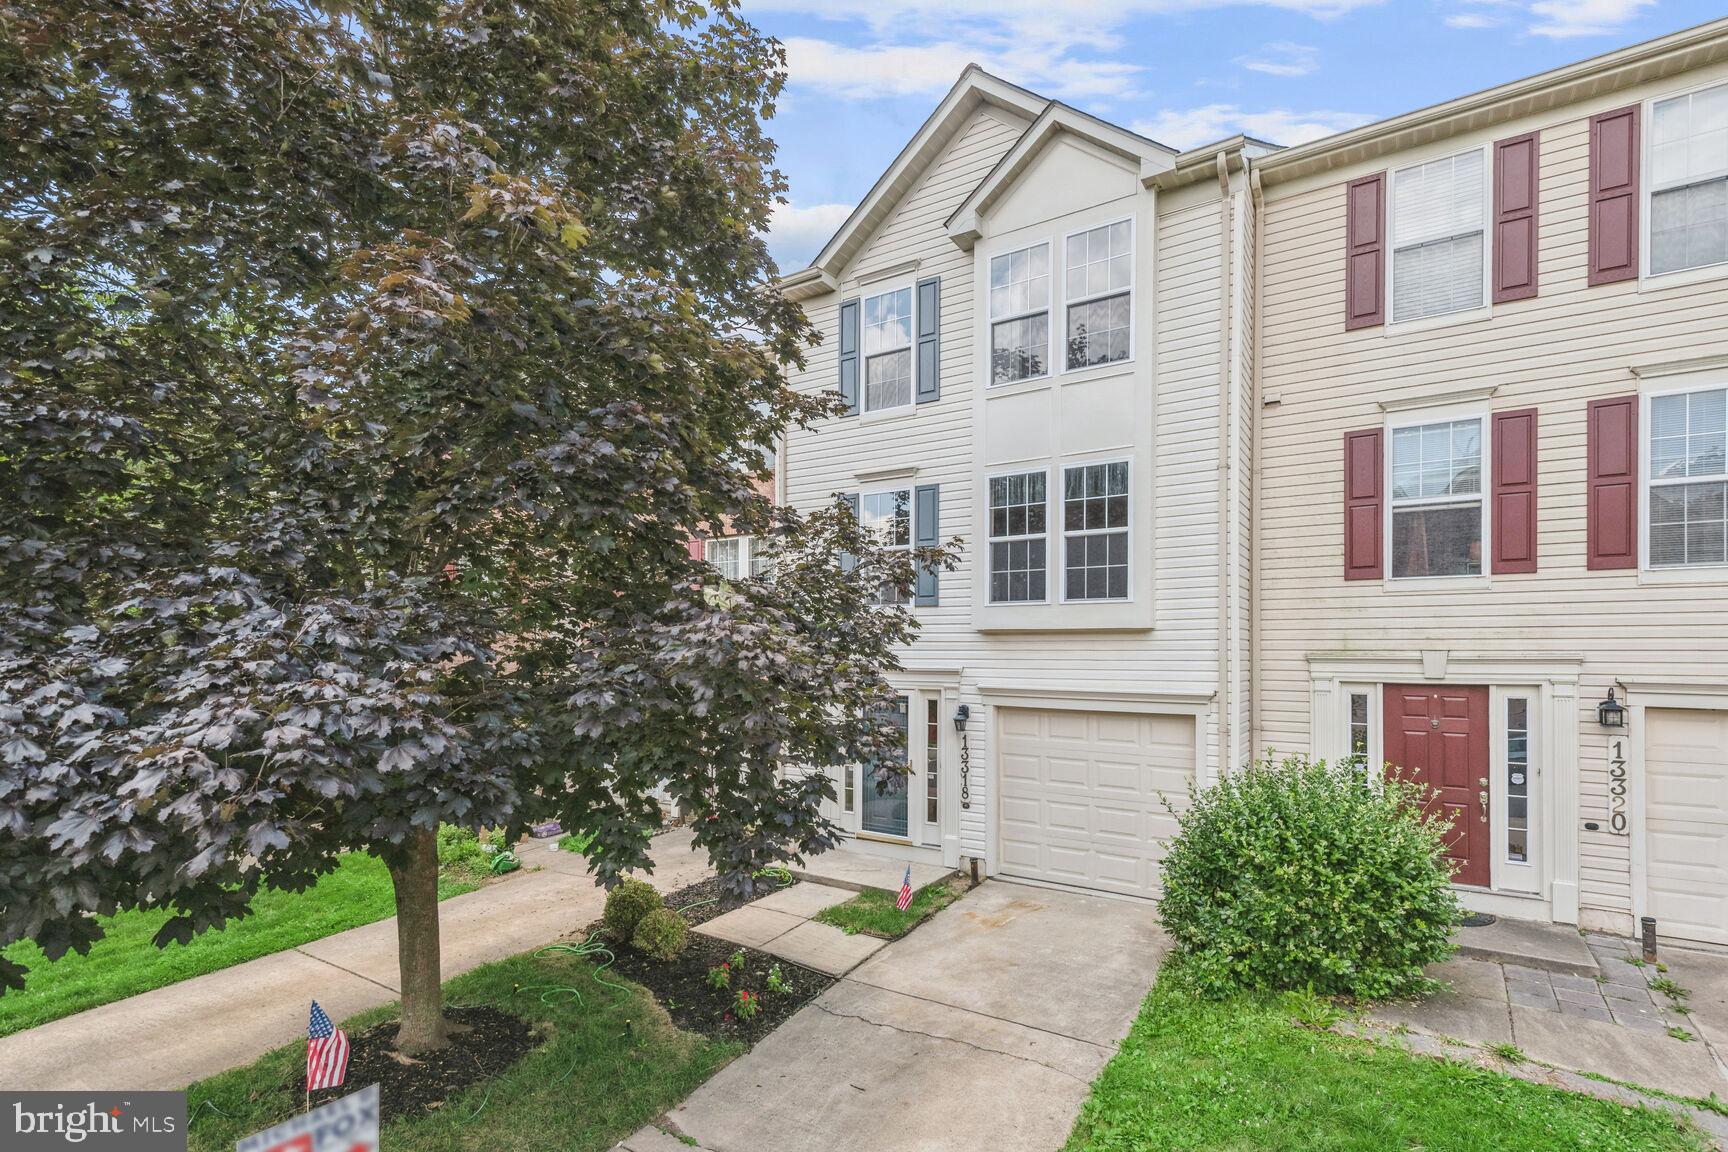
column 1494, row 353
column 1031, row 337
column 1402, row 447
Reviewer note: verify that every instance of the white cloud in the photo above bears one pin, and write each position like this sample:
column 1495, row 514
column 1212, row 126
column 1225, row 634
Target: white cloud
column 876, row 70
column 1063, row 48
column 930, row 69
column 797, row 232
column 1555, row 19
column 1282, row 59
column 1564, row 19
column 1188, row 127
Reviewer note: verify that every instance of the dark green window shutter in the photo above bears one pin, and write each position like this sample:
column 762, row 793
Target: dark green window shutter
column 926, row 533
column 847, row 560
column 929, row 339
column 849, row 359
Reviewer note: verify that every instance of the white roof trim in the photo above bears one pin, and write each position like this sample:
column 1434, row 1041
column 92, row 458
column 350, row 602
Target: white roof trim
column 975, row 89
column 965, row 224
column 1610, row 72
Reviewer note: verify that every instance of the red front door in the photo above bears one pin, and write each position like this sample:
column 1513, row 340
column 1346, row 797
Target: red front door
column 1438, row 738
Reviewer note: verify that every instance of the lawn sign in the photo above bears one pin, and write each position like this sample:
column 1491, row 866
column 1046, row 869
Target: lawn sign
column 346, row 1125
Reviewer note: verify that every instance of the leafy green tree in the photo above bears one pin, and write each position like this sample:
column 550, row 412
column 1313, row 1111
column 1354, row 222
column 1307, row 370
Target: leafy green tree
column 364, row 369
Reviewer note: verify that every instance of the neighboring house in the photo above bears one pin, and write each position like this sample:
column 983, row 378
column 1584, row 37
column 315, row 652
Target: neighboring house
column 737, row 555
column 1494, row 353
column 1032, row 317
column 1409, row 444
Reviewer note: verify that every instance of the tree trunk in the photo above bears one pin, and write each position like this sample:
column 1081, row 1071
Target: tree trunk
column 417, row 956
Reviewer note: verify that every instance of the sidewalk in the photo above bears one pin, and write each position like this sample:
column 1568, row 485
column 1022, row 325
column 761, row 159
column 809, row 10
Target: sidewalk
column 169, row 1037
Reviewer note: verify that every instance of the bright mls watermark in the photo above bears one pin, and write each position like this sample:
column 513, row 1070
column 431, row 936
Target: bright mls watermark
column 93, row 1121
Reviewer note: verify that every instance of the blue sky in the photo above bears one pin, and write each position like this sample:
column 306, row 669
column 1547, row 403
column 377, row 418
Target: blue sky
column 863, row 74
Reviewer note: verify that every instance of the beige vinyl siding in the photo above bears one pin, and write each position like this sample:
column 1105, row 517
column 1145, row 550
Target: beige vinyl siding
column 1176, row 320
column 1570, row 345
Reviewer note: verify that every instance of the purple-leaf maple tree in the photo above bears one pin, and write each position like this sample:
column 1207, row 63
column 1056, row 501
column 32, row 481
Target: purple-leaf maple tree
column 364, row 370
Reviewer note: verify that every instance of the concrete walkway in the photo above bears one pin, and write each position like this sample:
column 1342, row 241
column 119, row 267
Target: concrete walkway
column 782, row 924
column 858, row 870
column 1613, row 1023
column 982, row 1029
column 169, row 1037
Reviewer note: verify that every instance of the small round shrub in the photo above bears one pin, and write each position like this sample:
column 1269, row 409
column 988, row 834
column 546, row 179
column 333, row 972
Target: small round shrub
column 625, row 907
column 662, row 934
column 1301, row 876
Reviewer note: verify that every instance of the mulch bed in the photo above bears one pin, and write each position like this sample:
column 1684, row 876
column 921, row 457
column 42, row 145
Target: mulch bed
column 494, row 1041
column 702, row 901
column 682, row 988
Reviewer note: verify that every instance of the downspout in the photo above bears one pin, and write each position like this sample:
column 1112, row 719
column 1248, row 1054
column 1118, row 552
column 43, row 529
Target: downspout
column 1223, row 462
column 1255, row 467
column 780, row 469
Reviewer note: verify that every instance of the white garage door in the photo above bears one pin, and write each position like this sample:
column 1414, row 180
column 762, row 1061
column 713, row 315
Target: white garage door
column 1080, row 795
column 1686, row 822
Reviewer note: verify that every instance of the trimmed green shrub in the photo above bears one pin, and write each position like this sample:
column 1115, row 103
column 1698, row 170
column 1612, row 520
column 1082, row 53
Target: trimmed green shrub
column 625, row 907
column 1301, row 876
column 662, row 934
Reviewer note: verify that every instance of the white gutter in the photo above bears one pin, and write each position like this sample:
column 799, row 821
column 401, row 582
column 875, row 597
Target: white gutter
column 1224, row 257
column 1255, row 721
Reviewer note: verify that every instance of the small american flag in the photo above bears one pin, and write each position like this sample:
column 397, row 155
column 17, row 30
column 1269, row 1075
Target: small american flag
column 905, row 898
column 326, row 1052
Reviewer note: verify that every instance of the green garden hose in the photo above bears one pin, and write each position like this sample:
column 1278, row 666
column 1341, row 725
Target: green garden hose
column 589, row 948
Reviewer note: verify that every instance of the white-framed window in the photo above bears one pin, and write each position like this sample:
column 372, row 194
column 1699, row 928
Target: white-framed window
column 1095, row 510
column 1687, row 188
column 727, row 554
column 1517, row 817
column 737, row 556
column 1019, row 538
column 1359, row 732
column 1439, row 212
column 1099, row 270
column 1020, row 314
column 887, row 517
column 1437, row 509
column 887, row 340
column 1687, row 445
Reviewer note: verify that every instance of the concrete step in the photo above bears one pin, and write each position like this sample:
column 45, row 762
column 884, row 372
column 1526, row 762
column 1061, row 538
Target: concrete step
column 1551, row 947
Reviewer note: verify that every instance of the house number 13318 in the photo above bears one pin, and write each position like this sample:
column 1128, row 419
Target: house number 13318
column 1617, row 787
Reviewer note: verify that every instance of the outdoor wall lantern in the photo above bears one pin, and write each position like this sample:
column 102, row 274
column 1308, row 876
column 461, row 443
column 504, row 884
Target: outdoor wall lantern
column 1610, row 713
column 961, row 715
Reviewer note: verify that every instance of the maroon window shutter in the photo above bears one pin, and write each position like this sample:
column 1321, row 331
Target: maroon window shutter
column 1514, row 462
column 1613, row 479
column 1614, row 196
column 1515, row 190
column 1362, row 479
column 1365, row 252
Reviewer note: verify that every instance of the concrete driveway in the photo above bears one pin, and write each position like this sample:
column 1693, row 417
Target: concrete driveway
column 981, row 1029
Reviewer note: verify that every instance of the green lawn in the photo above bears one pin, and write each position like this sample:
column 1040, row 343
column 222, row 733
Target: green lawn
column 124, row 962
column 872, row 911
column 611, row 1063
column 1245, row 1075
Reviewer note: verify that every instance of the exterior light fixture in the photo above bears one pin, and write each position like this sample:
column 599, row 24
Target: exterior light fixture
column 961, row 715
column 1611, row 713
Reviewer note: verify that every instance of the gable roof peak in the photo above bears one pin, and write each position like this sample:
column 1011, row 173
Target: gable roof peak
column 975, row 89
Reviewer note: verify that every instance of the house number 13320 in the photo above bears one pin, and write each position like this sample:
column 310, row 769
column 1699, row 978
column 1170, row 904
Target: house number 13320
column 1617, row 788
